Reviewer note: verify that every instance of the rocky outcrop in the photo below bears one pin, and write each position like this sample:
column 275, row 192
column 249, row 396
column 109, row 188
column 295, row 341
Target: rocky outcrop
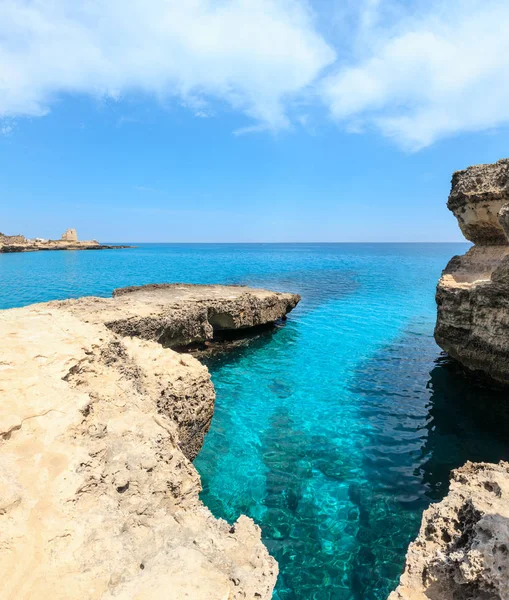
column 69, row 241
column 477, row 196
column 12, row 239
column 473, row 292
column 98, row 497
column 37, row 246
column 462, row 551
column 179, row 315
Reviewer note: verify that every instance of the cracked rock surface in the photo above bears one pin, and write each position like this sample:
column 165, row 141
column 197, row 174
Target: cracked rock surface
column 462, row 551
column 98, row 427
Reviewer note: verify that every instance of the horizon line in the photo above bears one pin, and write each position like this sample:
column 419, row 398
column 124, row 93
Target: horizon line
column 307, row 242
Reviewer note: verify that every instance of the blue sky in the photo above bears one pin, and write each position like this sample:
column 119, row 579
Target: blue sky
column 266, row 120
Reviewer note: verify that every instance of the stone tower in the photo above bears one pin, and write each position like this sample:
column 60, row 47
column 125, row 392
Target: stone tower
column 70, row 235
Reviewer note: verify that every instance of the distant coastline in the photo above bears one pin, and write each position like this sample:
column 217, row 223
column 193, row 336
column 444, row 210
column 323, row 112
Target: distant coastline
column 68, row 241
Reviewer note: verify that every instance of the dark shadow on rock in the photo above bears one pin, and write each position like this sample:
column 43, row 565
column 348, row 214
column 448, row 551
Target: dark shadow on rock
column 229, row 348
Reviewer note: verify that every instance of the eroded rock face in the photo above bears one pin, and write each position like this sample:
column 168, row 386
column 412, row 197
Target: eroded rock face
column 181, row 314
column 98, row 497
column 477, row 195
column 462, row 551
column 473, row 292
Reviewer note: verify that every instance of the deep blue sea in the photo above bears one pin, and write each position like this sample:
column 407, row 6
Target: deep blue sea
column 333, row 431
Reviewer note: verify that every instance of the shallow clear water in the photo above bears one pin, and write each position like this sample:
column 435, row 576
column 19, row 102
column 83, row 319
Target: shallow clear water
column 333, row 431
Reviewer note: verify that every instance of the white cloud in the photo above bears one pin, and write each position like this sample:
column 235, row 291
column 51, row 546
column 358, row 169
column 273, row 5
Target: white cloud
column 414, row 71
column 253, row 54
column 439, row 72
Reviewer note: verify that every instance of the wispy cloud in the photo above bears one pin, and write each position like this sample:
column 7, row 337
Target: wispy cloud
column 7, row 126
column 252, row 54
column 438, row 71
column 413, row 71
column 259, row 128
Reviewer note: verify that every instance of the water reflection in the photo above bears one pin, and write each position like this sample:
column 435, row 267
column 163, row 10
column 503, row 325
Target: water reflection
column 426, row 417
column 467, row 421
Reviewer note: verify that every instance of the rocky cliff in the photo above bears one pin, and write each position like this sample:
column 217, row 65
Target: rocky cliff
column 98, row 423
column 462, row 551
column 473, row 292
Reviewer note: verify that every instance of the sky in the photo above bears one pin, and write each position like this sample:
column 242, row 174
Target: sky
column 247, row 120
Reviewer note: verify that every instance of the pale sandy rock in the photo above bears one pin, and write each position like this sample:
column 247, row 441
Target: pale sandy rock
column 462, row 551
column 177, row 315
column 98, row 499
column 69, row 241
column 182, row 314
column 477, row 195
column 473, row 292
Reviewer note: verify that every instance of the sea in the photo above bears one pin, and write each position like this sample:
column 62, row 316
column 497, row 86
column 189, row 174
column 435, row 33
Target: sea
column 335, row 429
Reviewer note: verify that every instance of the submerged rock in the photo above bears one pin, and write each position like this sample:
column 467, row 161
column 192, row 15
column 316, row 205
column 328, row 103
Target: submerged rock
column 98, row 423
column 462, row 551
column 473, row 292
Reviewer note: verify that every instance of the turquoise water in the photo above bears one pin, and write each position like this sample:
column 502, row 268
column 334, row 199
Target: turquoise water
column 333, row 431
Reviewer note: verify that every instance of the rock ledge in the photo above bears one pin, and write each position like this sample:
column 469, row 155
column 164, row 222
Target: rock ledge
column 473, row 292
column 98, row 424
column 462, row 551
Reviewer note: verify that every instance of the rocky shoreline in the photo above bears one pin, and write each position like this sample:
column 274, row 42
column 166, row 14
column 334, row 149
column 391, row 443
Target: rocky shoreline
column 473, row 292
column 462, row 550
column 68, row 241
column 99, row 423
column 57, row 245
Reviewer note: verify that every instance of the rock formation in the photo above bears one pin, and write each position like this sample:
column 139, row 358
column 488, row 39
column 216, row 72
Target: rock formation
column 12, row 239
column 462, row 551
column 98, row 423
column 70, row 235
column 473, row 292
column 69, row 241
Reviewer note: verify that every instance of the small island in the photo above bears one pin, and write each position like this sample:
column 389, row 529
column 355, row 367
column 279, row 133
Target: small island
column 68, row 241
